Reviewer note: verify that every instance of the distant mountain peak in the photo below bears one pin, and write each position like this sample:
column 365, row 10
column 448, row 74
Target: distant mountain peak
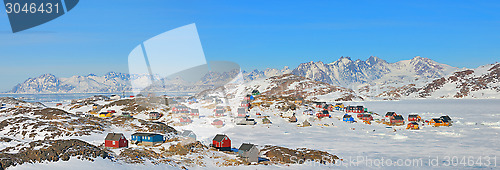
column 345, row 72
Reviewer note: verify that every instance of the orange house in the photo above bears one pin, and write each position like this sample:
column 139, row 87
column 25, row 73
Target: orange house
column 413, row 126
column 438, row 122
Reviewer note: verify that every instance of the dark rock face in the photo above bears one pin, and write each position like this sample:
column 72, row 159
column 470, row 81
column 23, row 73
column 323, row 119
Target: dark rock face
column 277, row 154
column 50, row 150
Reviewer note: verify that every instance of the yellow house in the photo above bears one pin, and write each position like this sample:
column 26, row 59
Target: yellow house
column 105, row 114
column 339, row 106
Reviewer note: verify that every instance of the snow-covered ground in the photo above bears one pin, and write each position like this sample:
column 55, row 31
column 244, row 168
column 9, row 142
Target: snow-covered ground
column 474, row 136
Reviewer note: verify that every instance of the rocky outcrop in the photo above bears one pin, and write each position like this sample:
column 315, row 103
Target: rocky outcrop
column 49, row 150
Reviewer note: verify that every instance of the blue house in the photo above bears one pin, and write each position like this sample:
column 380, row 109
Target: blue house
column 147, row 138
column 348, row 118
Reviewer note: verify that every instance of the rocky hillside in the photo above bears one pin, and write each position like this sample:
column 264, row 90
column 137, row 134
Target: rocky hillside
column 482, row 82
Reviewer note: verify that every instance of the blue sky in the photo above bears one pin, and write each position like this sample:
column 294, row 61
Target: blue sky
column 97, row 36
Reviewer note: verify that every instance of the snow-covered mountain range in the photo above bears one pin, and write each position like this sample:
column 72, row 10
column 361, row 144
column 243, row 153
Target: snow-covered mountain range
column 49, row 83
column 373, row 78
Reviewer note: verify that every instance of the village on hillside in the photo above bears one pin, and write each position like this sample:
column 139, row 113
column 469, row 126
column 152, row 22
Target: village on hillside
column 185, row 131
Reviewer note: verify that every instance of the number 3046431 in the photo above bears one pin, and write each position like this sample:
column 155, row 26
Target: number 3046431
column 32, row 8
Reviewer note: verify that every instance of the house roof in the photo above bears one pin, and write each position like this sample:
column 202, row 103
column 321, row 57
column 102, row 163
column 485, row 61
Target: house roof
column 390, row 113
column 244, row 102
column 446, row 117
column 325, row 112
column 398, row 117
column 347, row 116
column 255, row 91
column 437, row 120
column 219, row 137
column 186, row 132
column 113, row 136
column 412, row 115
column 195, row 111
column 246, row 147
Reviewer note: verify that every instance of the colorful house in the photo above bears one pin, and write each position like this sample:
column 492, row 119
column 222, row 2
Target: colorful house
column 180, row 109
column 328, row 107
column 154, row 115
column 397, row 120
column 195, row 112
column 354, row 109
column 245, row 103
column 438, row 122
column 299, row 100
column 105, row 114
column 414, row 118
column 367, row 117
column 147, row 138
column 242, row 112
column 319, row 104
column 323, row 113
column 388, row 115
column 221, row 142
column 219, row 113
column 413, row 126
column 339, row 106
column 249, row 153
column 115, row 140
column 255, row 92
column 446, row 118
column 126, row 115
column 185, row 120
column 188, row 134
column 348, row 118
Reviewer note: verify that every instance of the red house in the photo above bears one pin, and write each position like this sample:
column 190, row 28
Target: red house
column 245, row 103
column 414, row 118
column 323, row 114
column 397, row 120
column 195, row 112
column 115, row 140
column 354, row 109
column 367, row 117
column 180, row 109
column 186, row 120
column 221, row 142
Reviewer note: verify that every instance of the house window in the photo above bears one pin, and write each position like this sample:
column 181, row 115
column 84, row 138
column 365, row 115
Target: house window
column 114, row 143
